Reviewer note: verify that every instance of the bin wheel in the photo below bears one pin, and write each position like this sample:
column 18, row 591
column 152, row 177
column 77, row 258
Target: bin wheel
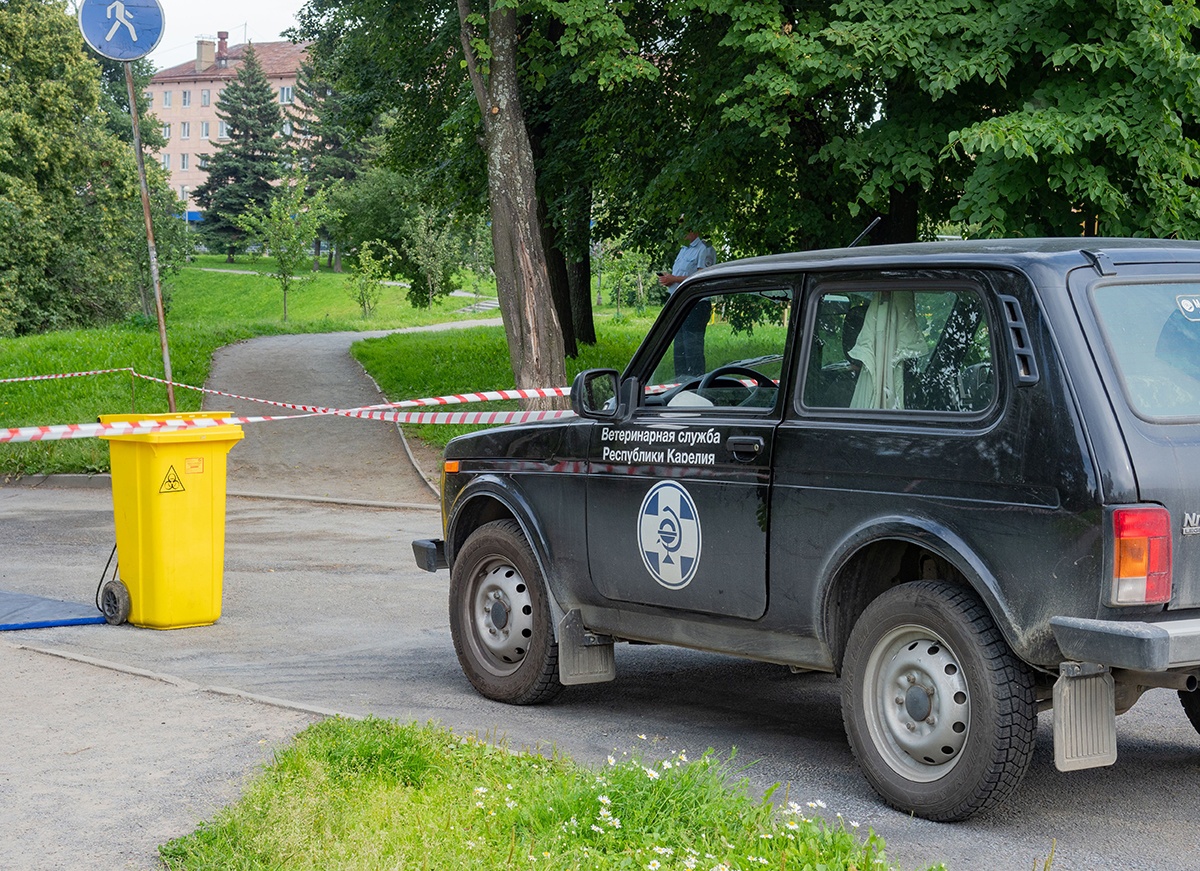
column 114, row 602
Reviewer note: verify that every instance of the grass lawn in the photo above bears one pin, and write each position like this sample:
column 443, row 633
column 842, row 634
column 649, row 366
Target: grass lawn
column 421, row 365
column 378, row 794
column 206, row 310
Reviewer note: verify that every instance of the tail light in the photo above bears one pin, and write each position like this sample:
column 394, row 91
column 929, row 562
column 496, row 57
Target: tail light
column 1141, row 556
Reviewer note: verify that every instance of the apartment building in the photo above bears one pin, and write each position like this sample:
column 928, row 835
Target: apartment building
column 184, row 99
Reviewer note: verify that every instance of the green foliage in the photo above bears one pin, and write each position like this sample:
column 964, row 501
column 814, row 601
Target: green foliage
column 241, row 172
column 366, row 284
column 114, row 101
column 428, row 242
column 81, row 400
column 633, row 281
column 210, row 309
column 1015, row 118
column 71, row 225
column 286, row 228
column 375, row 794
column 419, row 365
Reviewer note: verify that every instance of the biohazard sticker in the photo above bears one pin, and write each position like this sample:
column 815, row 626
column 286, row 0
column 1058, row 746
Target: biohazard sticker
column 172, row 482
column 669, row 535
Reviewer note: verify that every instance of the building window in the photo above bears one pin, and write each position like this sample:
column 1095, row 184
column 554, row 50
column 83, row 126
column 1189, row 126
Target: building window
column 204, row 97
column 185, row 130
column 203, row 129
column 183, row 161
column 166, row 132
column 285, row 94
column 166, row 98
column 222, row 130
column 202, row 161
column 183, row 194
column 185, row 98
column 149, row 98
column 166, row 162
column 287, row 128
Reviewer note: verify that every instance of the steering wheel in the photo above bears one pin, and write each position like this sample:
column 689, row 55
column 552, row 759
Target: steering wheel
column 761, row 379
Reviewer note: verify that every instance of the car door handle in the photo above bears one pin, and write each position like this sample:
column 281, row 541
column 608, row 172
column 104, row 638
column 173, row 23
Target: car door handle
column 745, row 449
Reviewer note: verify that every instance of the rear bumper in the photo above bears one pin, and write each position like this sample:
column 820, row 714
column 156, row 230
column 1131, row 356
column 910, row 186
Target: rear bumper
column 1140, row 646
column 430, row 554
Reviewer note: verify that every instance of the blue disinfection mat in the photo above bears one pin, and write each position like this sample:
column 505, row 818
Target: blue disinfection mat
column 21, row 611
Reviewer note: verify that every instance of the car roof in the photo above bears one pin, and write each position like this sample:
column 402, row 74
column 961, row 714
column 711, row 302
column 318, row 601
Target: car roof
column 1054, row 253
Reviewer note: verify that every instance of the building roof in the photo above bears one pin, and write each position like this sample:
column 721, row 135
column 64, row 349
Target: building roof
column 276, row 59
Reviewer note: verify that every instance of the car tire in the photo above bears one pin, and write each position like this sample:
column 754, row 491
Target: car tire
column 1191, row 705
column 500, row 617
column 940, row 713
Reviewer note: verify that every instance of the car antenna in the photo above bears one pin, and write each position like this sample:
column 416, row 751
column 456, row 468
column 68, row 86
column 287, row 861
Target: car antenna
column 870, row 227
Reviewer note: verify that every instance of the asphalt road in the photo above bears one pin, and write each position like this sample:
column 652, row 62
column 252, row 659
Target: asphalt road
column 118, row 738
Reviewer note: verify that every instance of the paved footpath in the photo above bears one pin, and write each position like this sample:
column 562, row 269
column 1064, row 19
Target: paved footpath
column 109, row 753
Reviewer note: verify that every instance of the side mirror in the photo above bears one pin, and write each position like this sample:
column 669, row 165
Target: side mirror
column 599, row 394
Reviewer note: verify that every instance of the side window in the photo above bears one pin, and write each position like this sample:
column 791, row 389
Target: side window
column 727, row 352
column 900, row 349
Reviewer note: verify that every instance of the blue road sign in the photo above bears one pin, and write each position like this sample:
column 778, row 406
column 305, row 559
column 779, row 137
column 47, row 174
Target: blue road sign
column 121, row 29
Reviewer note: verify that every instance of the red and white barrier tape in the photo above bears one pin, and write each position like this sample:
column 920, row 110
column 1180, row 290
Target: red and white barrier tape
column 65, row 375
column 367, row 412
column 94, row 430
column 375, row 412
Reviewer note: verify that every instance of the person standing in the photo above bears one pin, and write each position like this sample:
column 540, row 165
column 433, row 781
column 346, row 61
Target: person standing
column 696, row 254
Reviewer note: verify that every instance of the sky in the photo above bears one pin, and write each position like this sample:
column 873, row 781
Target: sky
column 184, row 20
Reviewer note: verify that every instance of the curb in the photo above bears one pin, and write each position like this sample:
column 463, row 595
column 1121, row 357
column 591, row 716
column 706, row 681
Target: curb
column 187, row 685
column 104, row 482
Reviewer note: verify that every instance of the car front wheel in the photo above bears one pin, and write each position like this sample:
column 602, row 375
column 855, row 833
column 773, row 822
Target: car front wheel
column 500, row 617
column 940, row 714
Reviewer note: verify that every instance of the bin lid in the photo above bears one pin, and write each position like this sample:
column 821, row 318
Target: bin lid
column 213, row 433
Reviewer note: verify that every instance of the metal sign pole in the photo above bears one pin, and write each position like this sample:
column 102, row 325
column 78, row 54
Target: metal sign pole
column 126, row 30
column 158, row 303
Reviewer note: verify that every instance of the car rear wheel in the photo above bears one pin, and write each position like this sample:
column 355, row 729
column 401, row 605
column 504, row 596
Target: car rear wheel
column 939, row 712
column 500, row 617
column 1191, row 706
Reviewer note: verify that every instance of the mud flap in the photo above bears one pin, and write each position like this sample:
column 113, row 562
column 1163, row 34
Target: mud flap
column 583, row 656
column 1085, row 717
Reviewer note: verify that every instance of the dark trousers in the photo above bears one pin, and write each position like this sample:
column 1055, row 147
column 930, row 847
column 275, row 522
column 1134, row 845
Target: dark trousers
column 689, row 341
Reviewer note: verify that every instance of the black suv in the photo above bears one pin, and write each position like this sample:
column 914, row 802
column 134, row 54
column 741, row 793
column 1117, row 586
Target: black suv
column 963, row 476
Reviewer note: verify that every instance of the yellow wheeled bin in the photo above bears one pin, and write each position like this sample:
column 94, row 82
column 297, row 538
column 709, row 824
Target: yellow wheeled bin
column 169, row 510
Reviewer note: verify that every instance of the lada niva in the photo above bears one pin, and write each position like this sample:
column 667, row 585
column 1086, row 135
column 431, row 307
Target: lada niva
column 964, row 477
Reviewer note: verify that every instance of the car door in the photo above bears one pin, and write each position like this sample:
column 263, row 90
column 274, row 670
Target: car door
column 677, row 496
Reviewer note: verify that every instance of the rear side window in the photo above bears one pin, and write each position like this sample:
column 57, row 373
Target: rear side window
column 1153, row 336
column 900, row 349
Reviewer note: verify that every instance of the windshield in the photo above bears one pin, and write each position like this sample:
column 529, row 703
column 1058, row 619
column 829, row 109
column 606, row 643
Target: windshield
column 1153, row 336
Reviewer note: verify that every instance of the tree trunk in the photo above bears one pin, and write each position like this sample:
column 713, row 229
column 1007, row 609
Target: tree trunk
column 902, row 221
column 560, row 286
column 522, row 283
column 579, row 274
column 316, row 253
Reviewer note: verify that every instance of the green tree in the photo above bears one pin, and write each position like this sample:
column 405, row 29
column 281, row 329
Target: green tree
column 428, row 240
column 241, row 171
column 324, row 148
column 170, row 234
column 114, row 101
column 70, row 210
column 1013, row 118
column 402, row 59
column 285, row 229
column 366, row 284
